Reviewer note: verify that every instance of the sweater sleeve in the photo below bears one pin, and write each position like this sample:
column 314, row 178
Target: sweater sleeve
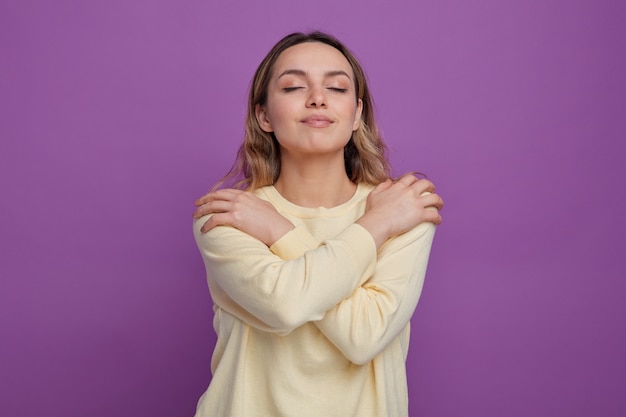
column 294, row 282
column 364, row 323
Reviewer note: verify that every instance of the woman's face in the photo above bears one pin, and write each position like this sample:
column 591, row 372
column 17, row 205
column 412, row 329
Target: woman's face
column 311, row 105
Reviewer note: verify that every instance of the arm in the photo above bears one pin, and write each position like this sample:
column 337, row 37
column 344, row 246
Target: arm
column 275, row 290
column 363, row 324
column 299, row 279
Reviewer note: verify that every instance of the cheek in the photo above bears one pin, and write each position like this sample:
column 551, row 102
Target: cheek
column 353, row 116
column 278, row 111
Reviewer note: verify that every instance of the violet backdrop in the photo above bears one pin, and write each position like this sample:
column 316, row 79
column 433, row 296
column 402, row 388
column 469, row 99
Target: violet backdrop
column 115, row 116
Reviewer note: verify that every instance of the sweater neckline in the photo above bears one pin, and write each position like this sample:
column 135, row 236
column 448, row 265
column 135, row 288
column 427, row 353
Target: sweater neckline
column 285, row 205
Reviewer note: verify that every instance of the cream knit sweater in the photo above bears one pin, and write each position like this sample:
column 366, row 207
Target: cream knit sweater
column 316, row 325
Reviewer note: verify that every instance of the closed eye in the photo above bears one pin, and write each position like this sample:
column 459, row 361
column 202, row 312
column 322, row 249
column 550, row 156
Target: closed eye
column 289, row 89
column 338, row 90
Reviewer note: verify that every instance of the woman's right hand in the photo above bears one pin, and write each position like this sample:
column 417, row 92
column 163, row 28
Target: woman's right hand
column 244, row 211
column 396, row 207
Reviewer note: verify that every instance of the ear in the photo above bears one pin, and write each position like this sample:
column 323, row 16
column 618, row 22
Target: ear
column 357, row 115
column 261, row 117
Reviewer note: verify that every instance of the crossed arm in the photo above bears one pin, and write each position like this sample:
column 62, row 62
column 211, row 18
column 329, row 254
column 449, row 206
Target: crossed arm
column 284, row 283
column 362, row 324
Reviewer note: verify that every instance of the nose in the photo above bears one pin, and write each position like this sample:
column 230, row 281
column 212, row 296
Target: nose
column 316, row 97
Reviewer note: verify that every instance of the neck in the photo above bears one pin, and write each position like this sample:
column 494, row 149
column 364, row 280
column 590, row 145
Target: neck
column 315, row 183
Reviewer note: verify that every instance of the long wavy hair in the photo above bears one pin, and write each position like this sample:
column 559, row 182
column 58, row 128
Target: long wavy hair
column 258, row 160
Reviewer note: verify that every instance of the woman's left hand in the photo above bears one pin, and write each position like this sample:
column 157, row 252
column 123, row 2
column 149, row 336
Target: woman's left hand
column 244, row 211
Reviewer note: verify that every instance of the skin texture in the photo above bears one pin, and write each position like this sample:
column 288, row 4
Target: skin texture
column 312, row 109
column 311, row 106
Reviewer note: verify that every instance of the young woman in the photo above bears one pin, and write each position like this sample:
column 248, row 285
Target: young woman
column 315, row 258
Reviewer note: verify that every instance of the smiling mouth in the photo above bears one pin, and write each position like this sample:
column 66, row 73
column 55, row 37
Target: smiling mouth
column 317, row 121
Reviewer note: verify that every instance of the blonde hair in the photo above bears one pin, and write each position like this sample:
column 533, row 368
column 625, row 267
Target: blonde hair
column 258, row 160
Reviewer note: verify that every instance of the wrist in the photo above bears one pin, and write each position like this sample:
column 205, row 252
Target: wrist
column 376, row 228
column 277, row 231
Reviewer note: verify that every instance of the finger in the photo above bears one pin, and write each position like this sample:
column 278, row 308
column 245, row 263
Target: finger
column 382, row 186
column 424, row 186
column 224, row 194
column 217, row 206
column 440, row 204
column 208, row 225
column 219, row 219
column 431, row 215
column 431, row 200
column 408, row 180
column 435, row 217
column 206, row 198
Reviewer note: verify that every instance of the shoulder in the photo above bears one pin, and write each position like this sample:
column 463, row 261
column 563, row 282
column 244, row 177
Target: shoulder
column 365, row 188
column 419, row 238
column 268, row 193
column 362, row 191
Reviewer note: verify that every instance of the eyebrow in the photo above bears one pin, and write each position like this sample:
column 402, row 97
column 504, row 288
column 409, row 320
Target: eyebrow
column 302, row 73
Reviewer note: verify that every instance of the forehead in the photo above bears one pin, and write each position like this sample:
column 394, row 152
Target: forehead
column 312, row 57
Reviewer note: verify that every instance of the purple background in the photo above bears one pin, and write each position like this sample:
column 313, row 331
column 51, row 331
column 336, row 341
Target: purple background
column 116, row 115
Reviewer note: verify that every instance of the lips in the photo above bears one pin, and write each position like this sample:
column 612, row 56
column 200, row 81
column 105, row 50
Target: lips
column 317, row 120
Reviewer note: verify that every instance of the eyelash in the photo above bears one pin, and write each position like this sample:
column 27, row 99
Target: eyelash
column 335, row 89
